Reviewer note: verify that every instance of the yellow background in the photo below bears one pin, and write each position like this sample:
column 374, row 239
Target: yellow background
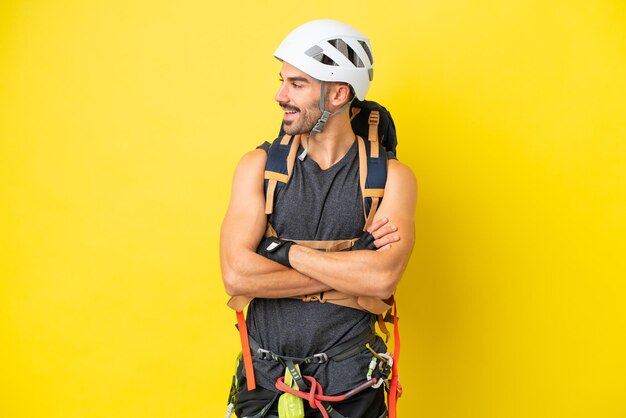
column 121, row 123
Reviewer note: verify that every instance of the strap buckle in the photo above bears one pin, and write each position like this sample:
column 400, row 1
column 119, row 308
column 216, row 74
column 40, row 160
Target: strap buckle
column 374, row 118
column 321, row 122
column 264, row 354
column 319, row 358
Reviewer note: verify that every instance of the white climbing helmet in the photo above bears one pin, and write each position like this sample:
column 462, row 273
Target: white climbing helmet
column 329, row 50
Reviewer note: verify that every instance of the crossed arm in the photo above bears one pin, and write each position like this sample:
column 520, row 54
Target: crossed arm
column 361, row 273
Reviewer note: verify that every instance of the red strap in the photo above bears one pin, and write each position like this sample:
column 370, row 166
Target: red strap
column 316, row 396
column 394, row 388
column 245, row 347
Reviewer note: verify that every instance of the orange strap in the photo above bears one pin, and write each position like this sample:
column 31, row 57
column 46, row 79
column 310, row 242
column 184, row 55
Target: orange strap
column 245, row 347
column 395, row 390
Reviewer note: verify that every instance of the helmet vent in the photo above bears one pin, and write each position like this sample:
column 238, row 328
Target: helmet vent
column 347, row 51
column 367, row 51
column 325, row 59
column 317, row 53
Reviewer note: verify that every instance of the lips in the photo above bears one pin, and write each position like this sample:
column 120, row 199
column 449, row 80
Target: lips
column 290, row 112
column 287, row 107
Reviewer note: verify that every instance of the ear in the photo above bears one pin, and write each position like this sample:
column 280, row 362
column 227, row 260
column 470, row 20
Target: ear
column 340, row 93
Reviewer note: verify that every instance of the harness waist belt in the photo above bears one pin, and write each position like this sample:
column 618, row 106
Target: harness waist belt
column 341, row 351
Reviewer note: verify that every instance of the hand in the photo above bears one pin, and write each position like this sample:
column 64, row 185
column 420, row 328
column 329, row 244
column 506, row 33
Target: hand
column 275, row 249
column 383, row 234
column 377, row 237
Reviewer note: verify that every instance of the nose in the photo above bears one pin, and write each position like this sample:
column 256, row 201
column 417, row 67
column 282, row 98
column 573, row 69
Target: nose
column 281, row 94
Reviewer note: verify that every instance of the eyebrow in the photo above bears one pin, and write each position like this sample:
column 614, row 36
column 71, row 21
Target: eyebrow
column 302, row 79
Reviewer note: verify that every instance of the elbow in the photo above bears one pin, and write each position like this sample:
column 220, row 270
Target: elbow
column 384, row 291
column 238, row 274
column 386, row 284
column 232, row 280
column 230, row 283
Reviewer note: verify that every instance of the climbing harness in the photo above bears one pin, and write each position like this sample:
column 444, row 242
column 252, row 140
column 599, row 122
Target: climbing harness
column 295, row 385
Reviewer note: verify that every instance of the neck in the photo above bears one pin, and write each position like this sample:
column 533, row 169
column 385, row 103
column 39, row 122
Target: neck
column 328, row 147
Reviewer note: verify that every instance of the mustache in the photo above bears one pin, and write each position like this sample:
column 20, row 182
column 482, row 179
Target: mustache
column 285, row 106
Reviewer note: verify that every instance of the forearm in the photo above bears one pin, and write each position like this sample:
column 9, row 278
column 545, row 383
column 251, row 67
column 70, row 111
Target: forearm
column 360, row 273
column 253, row 275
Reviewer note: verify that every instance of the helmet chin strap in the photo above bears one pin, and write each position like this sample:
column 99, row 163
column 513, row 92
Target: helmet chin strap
column 323, row 119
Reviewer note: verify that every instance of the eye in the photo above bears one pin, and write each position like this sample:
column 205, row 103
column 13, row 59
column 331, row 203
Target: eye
column 296, row 85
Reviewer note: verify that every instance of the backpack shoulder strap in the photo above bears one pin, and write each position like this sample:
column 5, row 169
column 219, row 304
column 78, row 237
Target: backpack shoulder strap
column 281, row 158
column 372, row 170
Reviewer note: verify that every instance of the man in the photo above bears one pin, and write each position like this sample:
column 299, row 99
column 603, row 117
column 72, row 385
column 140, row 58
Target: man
column 325, row 64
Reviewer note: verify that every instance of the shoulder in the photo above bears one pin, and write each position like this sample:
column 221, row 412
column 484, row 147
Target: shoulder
column 252, row 161
column 400, row 190
column 256, row 156
column 400, row 174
